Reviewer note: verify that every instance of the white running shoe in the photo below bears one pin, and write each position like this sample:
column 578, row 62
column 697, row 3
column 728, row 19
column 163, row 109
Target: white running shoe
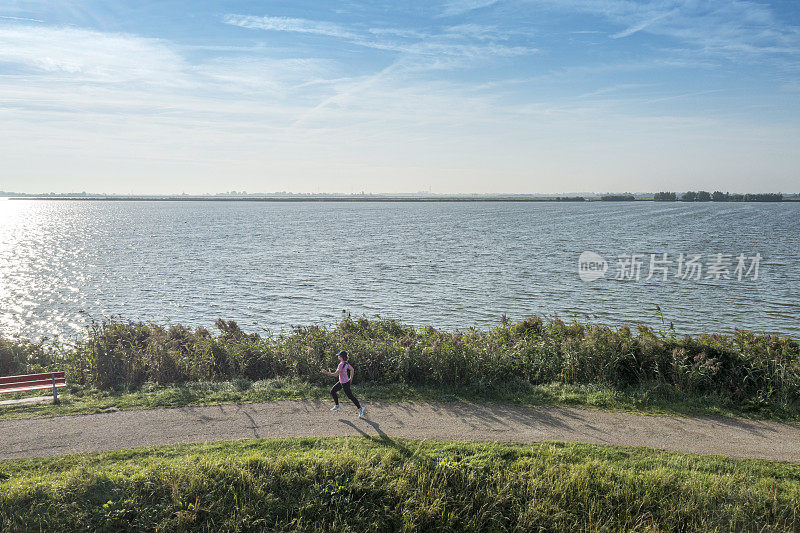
column 336, row 408
column 361, row 412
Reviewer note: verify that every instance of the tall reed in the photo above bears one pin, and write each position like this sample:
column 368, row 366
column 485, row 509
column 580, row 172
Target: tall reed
column 749, row 369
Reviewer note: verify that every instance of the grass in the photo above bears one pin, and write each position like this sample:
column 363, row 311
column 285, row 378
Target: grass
column 384, row 484
column 77, row 400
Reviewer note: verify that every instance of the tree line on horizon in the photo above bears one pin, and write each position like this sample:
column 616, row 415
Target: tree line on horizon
column 716, row 196
column 689, row 196
column 617, row 198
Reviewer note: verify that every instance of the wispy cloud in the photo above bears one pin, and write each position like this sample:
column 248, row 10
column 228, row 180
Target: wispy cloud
column 90, row 55
column 349, row 90
column 615, row 89
column 289, row 24
column 682, row 95
column 66, row 72
column 458, row 7
column 22, row 19
column 258, row 76
column 478, row 32
column 436, row 49
column 639, row 26
column 399, row 32
column 732, row 28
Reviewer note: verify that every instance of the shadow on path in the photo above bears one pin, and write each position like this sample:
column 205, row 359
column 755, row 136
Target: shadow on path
column 382, row 437
column 253, row 425
column 500, row 415
column 754, row 427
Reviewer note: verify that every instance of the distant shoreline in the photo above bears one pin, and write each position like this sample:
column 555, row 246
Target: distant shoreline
column 307, row 199
column 394, row 199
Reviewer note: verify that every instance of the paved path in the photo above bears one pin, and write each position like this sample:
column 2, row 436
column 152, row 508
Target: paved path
column 108, row 431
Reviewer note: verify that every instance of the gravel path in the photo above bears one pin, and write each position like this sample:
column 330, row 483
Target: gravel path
column 109, row 431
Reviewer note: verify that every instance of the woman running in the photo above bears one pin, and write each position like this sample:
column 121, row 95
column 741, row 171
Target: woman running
column 344, row 383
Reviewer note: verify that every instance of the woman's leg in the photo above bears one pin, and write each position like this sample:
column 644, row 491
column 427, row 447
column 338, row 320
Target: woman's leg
column 335, row 388
column 346, row 387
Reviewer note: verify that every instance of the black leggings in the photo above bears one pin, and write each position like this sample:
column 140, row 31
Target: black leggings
column 346, row 387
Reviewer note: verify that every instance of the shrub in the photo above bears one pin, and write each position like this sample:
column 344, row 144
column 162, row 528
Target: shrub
column 754, row 371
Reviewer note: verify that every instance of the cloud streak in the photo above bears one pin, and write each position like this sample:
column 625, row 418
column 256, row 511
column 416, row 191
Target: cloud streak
column 469, row 42
column 636, row 28
column 721, row 27
column 23, row 19
column 459, row 7
column 289, row 24
column 90, row 55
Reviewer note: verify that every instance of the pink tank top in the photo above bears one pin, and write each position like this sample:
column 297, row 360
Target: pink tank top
column 342, row 371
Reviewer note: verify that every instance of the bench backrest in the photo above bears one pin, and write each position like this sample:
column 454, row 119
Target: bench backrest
column 32, row 381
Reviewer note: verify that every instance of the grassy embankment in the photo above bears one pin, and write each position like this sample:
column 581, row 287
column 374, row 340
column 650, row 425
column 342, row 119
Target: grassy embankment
column 127, row 365
column 383, row 484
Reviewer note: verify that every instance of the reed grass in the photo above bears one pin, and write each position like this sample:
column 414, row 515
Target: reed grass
column 742, row 372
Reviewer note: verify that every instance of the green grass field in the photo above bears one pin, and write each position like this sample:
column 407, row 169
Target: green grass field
column 647, row 400
column 383, row 484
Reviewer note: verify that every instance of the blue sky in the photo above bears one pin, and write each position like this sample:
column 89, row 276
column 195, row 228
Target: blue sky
column 458, row 96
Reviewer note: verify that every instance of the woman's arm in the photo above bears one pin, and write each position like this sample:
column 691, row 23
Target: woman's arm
column 351, row 371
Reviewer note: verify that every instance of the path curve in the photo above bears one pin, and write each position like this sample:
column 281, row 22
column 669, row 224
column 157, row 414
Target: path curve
column 469, row 422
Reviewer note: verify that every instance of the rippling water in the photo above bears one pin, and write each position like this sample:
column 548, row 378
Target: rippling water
column 452, row 265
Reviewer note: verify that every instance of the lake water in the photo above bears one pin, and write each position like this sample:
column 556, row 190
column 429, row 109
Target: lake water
column 271, row 265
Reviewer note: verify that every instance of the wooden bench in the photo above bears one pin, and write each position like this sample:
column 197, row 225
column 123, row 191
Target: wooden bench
column 54, row 380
